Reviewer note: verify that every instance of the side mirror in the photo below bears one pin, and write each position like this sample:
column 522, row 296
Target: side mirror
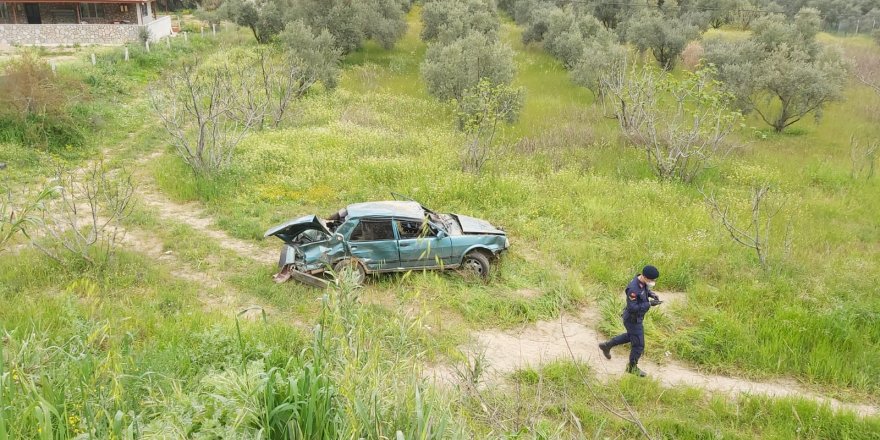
column 338, row 237
column 442, row 234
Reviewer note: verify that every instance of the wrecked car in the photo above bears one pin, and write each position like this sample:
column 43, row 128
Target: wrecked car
column 387, row 236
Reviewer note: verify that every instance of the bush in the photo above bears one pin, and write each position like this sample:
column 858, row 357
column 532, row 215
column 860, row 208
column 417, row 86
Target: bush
column 40, row 108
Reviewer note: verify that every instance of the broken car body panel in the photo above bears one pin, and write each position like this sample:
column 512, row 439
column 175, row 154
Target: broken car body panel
column 385, row 236
column 290, row 230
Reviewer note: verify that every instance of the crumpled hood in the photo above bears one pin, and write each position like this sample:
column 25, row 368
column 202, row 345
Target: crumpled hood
column 471, row 225
column 287, row 231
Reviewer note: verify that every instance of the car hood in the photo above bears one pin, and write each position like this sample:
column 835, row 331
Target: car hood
column 471, row 225
column 288, row 230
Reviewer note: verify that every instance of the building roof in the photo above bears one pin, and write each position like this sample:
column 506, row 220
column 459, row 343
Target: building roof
column 386, row 209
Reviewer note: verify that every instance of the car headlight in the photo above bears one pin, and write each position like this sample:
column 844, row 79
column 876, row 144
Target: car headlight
column 506, row 242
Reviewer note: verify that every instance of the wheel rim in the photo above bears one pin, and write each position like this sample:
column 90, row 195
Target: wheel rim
column 474, row 266
column 353, row 270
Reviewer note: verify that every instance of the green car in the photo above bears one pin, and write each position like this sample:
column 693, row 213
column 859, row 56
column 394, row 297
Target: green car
column 389, row 236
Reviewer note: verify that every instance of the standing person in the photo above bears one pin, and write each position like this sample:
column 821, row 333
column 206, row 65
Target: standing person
column 639, row 299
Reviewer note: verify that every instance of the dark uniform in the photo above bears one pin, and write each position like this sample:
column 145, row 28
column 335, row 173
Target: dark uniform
column 638, row 297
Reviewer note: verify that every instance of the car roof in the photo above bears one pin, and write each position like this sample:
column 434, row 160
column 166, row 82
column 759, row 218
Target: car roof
column 390, row 208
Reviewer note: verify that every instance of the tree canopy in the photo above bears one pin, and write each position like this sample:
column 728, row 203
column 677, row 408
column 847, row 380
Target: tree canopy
column 780, row 72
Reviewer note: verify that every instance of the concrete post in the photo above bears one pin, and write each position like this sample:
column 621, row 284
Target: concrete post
column 93, row 59
column 213, row 29
column 53, row 66
column 126, row 53
column 859, row 22
column 185, row 36
column 147, row 45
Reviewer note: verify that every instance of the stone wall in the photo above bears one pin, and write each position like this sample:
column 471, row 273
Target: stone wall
column 67, row 34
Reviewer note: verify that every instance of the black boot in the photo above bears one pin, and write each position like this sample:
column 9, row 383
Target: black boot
column 634, row 369
column 606, row 350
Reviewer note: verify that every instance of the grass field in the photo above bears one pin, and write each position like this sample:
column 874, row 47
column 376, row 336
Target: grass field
column 130, row 350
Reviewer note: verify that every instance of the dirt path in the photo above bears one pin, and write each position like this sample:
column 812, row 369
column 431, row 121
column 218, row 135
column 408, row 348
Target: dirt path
column 545, row 341
column 194, row 216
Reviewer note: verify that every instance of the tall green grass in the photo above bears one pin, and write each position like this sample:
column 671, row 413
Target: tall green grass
column 589, row 210
column 556, row 396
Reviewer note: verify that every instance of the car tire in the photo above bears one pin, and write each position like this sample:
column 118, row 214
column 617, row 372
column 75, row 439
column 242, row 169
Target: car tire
column 476, row 263
column 343, row 266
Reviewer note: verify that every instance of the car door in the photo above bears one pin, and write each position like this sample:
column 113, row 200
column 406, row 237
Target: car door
column 373, row 242
column 419, row 245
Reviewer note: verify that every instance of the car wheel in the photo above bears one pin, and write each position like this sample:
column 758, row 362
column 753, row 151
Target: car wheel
column 350, row 270
column 477, row 264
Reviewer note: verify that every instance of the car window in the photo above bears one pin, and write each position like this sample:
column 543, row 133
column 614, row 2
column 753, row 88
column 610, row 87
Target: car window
column 372, row 230
column 414, row 229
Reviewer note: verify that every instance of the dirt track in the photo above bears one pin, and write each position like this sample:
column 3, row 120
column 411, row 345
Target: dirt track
column 547, row 341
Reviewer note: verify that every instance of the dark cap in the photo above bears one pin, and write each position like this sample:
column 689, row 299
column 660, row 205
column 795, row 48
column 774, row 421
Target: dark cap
column 650, row 272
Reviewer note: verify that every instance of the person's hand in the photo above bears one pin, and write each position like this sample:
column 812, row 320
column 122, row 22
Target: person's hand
column 655, row 302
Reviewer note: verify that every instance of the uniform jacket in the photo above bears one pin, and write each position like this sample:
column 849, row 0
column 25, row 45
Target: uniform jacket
column 638, row 297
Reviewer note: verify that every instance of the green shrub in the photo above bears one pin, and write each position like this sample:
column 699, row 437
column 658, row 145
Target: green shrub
column 41, row 108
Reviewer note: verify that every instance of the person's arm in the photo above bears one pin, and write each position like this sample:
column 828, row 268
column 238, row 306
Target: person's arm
column 634, row 303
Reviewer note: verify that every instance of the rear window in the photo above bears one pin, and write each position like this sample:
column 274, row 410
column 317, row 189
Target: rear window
column 373, row 230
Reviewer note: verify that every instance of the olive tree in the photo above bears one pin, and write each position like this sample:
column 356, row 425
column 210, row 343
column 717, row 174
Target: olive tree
column 316, row 55
column 567, row 35
column 451, row 69
column 599, row 58
column 781, row 72
column 265, row 18
column 665, row 36
column 352, row 22
column 383, row 20
column 448, row 20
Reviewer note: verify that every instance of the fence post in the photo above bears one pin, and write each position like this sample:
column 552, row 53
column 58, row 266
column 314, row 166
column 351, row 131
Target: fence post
column 93, row 59
column 126, row 53
column 147, row 45
column 859, row 22
column 53, row 66
column 213, row 29
column 185, row 36
column 202, row 30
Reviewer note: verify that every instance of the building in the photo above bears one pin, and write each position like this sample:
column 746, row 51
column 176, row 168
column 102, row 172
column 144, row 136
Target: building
column 66, row 22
